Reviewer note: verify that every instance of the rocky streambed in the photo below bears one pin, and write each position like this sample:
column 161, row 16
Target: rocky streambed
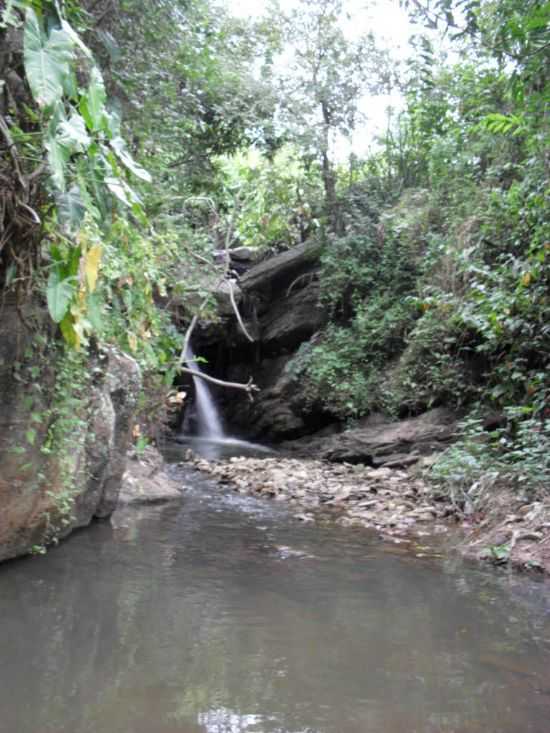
column 390, row 501
column 398, row 504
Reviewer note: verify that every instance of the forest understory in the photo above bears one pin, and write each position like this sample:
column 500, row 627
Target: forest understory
column 143, row 148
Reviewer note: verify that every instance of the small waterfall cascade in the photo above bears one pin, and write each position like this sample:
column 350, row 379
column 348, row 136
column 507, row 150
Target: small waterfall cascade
column 211, row 441
column 208, row 417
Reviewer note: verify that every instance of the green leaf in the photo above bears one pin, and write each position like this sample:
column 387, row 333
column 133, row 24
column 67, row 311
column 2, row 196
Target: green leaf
column 110, row 44
column 90, row 204
column 9, row 17
column 47, row 60
column 122, row 191
column 69, row 331
column 70, row 209
column 119, row 147
column 59, row 294
column 95, row 311
column 31, row 436
column 72, row 134
column 58, row 156
column 92, row 105
column 117, row 188
column 75, row 38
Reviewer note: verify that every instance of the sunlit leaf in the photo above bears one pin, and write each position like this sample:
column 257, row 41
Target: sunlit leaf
column 47, row 60
column 92, row 105
column 58, row 156
column 70, row 209
column 119, row 147
column 70, row 333
column 91, row 266
column 72, row 134
column 59, row 294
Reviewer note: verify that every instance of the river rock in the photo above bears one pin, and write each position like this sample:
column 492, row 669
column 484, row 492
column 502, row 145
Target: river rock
column 392, row 502
column 146, row 481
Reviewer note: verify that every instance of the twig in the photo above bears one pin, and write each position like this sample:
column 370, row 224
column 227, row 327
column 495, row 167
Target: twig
column 303, row 276
column 236, row 309
column 200, row 258
column 37, row 171
column 13, row 152
column 32, row 212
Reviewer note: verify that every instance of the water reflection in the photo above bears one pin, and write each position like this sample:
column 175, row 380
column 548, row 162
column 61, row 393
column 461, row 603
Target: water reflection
column 191, row 620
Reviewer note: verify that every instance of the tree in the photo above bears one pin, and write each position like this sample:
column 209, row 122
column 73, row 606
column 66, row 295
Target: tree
column 183, row 73
column 325, row 77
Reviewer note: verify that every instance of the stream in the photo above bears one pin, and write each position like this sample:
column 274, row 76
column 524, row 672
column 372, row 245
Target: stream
column 226, row 615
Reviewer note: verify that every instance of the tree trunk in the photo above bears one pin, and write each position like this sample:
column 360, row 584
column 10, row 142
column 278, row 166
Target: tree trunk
column 329, row 178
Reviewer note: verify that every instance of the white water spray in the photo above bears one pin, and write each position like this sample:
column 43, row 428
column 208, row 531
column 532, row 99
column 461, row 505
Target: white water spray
column 208, row 418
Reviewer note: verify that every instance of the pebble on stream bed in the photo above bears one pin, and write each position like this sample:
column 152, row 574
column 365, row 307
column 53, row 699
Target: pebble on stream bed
column 390, row 501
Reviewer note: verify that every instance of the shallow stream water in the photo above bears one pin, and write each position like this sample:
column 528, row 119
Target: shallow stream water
column 227, row 615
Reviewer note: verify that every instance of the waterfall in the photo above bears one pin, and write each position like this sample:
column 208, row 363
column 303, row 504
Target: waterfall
column 208, row 418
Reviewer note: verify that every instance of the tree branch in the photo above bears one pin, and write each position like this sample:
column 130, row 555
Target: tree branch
column 236, row 309
column 249, row 387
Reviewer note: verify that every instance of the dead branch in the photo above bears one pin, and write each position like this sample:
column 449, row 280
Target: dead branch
column 237, row 312
column 249, row 387
column 303, row 276
column 12, row 148
column 187, row 339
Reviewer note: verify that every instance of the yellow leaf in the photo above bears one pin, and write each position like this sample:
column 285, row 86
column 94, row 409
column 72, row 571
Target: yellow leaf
column 526, row 279
column 71, row 336
column 132, row 341
column 91, row 268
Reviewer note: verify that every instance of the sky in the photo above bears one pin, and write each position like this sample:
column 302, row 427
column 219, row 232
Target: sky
column 392, row 28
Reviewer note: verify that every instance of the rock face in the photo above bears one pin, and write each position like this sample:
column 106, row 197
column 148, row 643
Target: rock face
column 292, row 319
column 45, row 494
column 280, row 307
column 379, row 442
column 281, row 269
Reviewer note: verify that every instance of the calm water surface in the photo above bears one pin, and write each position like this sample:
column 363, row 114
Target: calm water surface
column 226, row 615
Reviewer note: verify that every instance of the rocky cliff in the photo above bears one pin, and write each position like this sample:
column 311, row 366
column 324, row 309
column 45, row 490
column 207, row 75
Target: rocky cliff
column 59, row 466
column 279, row 300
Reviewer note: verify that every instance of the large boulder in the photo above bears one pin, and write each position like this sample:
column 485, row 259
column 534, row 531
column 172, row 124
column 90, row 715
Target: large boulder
column 146, row 481
column 281, row 269
column 292, row 318
column 50, row 485
column 380, row 442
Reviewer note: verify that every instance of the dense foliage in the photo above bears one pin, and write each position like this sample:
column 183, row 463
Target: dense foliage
column 464, row 320
column 136, row 138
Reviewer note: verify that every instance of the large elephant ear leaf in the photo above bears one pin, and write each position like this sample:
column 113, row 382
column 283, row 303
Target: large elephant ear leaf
column 59, row 294
column 119, row 147
column 92, row 104
column 47, row 60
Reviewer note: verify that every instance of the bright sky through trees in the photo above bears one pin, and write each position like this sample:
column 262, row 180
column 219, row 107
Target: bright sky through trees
column 392, row 28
